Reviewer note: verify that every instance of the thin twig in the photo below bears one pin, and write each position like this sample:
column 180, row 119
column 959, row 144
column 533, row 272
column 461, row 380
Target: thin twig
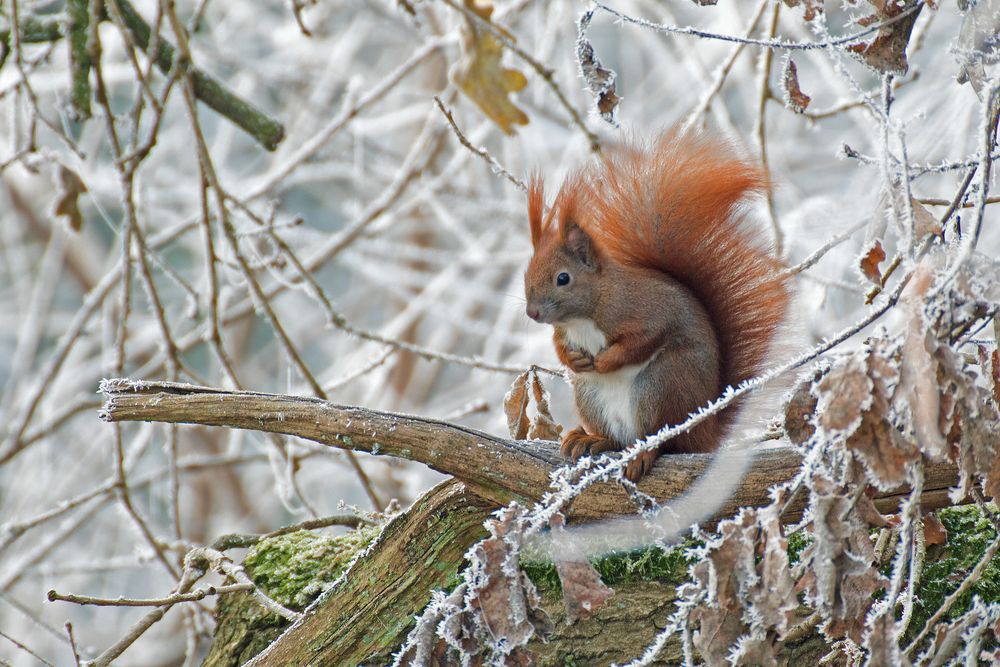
column 495, row 166
column 193, row 596
column 766, row 43
column 547, row 74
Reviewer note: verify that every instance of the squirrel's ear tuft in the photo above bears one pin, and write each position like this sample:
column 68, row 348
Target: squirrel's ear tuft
column 536, row 208
column 579, row 244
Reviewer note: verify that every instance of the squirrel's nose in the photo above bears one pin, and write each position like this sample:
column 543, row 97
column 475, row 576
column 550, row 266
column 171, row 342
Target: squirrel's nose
column 533, row 313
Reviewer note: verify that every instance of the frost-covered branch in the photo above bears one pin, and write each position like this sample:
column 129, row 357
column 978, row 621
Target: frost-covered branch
column 496, row 468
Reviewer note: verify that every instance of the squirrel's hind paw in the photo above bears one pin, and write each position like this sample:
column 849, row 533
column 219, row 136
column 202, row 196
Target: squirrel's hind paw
column 638, row 467
column 577, row 443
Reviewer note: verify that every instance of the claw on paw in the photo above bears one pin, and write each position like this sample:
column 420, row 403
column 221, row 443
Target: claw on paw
column 638, row 467
column 578, row 443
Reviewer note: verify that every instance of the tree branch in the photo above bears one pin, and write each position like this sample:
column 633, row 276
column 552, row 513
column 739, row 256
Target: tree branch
column 264, row 129
column 495, row 468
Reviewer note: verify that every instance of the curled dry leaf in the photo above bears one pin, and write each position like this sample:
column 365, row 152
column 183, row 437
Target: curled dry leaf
column 925, row 224
column 887, row 51
column 583, row 591
column 515, row 405
column 978, row 458
column 882, row 642
column 870, row 260
column 600, row 79
column 801, row 410
column 69, row 187
column 918, row 384
column 481, row 75
column 885, row 452
column 749, row 590
column 840, row 574
column 543, row 426
column 795, row 99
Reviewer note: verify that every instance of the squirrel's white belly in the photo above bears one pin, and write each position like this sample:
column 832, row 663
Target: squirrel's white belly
column 608, row 401
column 606, row 398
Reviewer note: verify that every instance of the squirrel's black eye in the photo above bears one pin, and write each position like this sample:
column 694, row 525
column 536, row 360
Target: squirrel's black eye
column 562, row 279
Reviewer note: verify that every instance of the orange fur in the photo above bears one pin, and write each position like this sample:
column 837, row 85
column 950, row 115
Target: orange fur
column 678, row 207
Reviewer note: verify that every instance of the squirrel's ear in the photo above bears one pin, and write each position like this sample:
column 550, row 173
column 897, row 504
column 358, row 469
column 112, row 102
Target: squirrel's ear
column 536, row 208
column 580, row 244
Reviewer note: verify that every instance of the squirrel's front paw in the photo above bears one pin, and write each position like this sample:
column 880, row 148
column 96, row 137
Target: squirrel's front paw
column 577, row 443
column 580, row 361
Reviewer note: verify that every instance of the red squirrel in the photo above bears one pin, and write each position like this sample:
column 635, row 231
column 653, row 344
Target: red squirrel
column 660, row 288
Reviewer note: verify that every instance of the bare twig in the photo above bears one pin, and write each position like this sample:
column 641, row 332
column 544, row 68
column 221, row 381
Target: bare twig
column 193, row 596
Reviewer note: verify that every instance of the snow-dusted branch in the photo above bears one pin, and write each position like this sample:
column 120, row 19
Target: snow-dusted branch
column 496, row 468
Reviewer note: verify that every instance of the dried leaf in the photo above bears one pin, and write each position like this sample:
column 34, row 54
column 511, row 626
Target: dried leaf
column 69, row 187
column 482, row 77
column 882, row 642
column 772, row 591
column 515, row 406
column 800, row 412
column 885, row 452
column 844, row 394
column 583, row 591
column 925, row 224
column 795, row 99
column 543, row 426
column 813, row 8
column 746, row 579
column 887, row 51
column 870, row 260
column 600, row 80
column 918, row 384
column 978, row 457
column 841, row 576
column 977, row 46
column 501, row 596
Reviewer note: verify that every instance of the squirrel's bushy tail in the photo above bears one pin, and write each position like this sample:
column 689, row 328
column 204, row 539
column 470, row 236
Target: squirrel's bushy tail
column 686, row 198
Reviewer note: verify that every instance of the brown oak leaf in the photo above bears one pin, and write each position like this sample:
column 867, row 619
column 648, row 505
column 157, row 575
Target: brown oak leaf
column 481, row 75
column 583, row 591
column 885, row 452
column 800, row 412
